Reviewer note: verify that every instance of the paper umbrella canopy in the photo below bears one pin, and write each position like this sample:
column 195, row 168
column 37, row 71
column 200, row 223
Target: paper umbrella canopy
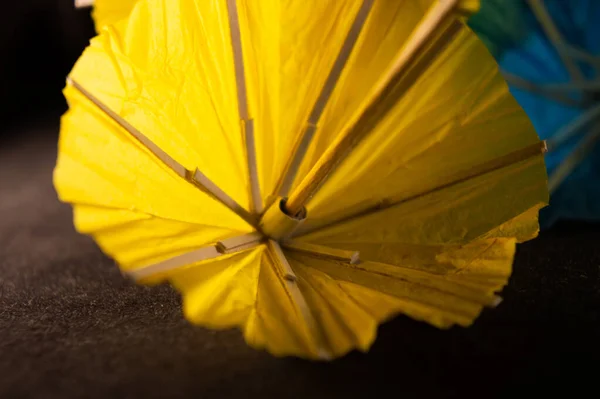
column 107, row 12
column 549, row 51
column 302, row 170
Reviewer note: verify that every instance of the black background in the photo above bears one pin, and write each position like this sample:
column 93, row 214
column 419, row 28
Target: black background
column 72, row 326
column 39, row 41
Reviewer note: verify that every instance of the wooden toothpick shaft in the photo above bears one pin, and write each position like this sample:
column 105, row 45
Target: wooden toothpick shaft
column 411, row 61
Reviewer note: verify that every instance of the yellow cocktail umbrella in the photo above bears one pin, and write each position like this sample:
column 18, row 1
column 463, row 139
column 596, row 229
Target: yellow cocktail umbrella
column 107, row 12
column 302, row 170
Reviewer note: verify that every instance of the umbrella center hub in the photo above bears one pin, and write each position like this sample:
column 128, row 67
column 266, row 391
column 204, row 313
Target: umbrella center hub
column 277, row 224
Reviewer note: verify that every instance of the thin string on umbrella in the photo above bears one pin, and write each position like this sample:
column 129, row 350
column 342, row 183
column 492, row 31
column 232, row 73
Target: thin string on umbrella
column 581, row 151
column 406, row 68
column 247, row 123
column 197, row 178
column 301, row 146
column 533, row 150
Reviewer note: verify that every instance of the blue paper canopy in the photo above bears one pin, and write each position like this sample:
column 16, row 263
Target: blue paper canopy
column 549, row 53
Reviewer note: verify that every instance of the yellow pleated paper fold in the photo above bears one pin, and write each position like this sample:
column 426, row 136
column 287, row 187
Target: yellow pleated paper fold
column 435, row 198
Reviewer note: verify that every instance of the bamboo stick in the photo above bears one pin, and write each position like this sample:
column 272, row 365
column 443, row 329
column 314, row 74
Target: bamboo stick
column 403, row 73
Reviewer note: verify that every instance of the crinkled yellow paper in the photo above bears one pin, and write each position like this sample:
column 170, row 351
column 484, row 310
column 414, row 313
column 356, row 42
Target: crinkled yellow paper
column 439, row 255
column 109, row 12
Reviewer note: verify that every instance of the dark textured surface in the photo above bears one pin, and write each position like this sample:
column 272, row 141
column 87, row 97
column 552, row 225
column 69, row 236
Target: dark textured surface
column 71, row 326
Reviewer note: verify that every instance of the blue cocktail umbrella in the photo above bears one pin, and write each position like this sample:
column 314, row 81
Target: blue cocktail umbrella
column 549, row 52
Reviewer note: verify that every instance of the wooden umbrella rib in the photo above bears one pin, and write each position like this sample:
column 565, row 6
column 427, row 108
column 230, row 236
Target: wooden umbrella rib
column 165, row 158
column 238, row 243
column 404, row 71
column 238, row 59
column 213, row 251
column 296, row 296
column 242, row 101
column 178, row 262
column 341, row 275
column 584, row 85
column 526, row 85
column 281, row 260
column 340, row 61
column 541, row 14
column 323, row 252
column 208, row 186
column 416, row 277
column 301, row 147
column 533, row 150
column 581, row 55
column 572, row 128
column 197, row 178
